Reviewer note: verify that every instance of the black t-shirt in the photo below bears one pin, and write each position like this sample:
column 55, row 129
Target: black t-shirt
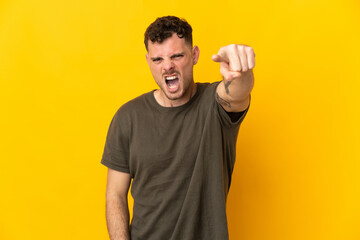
column 181, row 160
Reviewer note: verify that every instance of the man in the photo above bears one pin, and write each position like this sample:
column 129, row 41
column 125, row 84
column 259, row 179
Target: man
column 177, row 143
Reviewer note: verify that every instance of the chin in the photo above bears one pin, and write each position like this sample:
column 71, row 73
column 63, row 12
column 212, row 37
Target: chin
column 174, row 96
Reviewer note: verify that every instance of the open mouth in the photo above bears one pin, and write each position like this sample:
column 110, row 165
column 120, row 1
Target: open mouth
column 172, row 82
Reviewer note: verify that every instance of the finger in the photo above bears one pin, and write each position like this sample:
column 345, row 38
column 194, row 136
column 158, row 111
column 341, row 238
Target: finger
column 216, row 58
column 250, row 57
column 220, row 57
column 234, row 60
column 226, row 73
column 243, row 58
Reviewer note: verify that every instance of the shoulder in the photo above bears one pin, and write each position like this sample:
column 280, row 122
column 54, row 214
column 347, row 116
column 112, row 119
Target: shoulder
column 208, row 97
column 132, row 110
column 207, row 91
column 135, row 104
column 207, row 86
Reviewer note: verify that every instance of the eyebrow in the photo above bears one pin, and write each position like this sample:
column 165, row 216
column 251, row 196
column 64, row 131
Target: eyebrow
column 177, row 54
column 155, row 58
column 173, row 55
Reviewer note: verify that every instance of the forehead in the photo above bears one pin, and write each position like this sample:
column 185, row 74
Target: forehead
column 171, row 45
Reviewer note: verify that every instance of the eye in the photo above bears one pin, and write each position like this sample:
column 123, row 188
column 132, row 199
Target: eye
column 156, row 60
column 176, row 56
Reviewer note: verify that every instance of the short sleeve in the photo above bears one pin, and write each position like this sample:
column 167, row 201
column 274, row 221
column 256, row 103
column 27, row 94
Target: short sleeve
column 116, row 150
column 225, row 118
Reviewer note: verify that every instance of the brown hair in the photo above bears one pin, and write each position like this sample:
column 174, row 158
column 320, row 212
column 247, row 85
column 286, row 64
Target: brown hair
column 164, row 27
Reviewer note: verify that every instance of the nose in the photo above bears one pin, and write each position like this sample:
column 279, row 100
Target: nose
column 168, row 65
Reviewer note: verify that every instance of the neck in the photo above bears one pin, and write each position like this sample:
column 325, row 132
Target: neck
column 162, row 99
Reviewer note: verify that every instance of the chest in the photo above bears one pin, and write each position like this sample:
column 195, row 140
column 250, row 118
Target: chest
column 165, row 144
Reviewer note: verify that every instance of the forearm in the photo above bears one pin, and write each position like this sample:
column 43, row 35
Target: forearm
column 117, row 218
column 236, row 64
column 234, row 95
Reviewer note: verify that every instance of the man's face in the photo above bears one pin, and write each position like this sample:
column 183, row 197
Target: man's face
column 171, row 63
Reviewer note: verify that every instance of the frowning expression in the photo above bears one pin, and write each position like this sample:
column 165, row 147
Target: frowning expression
column 171, row 63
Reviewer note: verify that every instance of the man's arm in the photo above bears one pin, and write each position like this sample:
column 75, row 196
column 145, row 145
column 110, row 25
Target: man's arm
column 117, row 211
column 236, row 64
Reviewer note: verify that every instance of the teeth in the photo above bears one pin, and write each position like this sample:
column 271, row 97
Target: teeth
column 170, row 78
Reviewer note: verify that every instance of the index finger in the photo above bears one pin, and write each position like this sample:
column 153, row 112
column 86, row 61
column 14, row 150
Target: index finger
column 219, row 58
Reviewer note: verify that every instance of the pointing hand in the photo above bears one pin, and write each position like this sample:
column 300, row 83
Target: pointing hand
column 234, row 60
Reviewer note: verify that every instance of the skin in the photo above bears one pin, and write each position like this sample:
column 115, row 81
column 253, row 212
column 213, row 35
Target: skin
column 117, row 211
column 173, row 57
column 236, row 64
column 176, row 58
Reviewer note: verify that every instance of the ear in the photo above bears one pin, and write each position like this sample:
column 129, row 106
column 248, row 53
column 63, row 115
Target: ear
column 147, row 58
column 195, row 53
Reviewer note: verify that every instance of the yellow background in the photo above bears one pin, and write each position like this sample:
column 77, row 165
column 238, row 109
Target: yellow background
column 66, row 67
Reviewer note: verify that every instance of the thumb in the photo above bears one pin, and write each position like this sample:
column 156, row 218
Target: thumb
column 227, row 74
